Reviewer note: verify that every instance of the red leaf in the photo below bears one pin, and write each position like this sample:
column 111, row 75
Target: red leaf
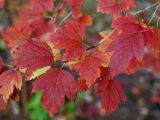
column 41, row 26
column 14, row 36
column 55, row 84
column 34, row 54
column 8, row 80
column 129, row 44
column 114, row 7
column 82, row 84
column 110, row 91
column 76, row 5
column 89, row 67
column 71, row 39
column 133, row 66
column 85, row 19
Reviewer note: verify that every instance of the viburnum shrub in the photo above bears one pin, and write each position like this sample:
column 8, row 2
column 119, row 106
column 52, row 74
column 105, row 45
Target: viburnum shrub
column 37, row 43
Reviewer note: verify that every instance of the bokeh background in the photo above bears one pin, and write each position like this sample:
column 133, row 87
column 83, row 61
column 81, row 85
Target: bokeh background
column 142, row 88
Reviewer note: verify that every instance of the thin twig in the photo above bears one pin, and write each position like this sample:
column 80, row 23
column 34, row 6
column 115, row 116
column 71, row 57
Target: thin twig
column 152, row 5
column 65, row 18
column 154, row 14
column 106, row 37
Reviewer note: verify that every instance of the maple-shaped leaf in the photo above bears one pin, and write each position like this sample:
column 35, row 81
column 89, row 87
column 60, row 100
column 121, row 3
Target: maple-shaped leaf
column 114, row 7
column 76, row 5
column 14, row 36
column 33, row 55
column 129, row 44
column 70, row 38
column 41, row 26
column 89, row 67
column 110, row 91
column 55, row 84
column 9, row 80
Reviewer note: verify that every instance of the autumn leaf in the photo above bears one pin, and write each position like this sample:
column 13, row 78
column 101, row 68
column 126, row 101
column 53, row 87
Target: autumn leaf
column 89, row 67
column 76, row 6
column 41, row 27
column 110, row 91
column 16, row 35
column 9, row 80
column 33, row 55
column 85, row 19
column 114, row 7
column 81, row 85
column 134, row 65
column 70, row 38
column 55, row 84
column 129, row 44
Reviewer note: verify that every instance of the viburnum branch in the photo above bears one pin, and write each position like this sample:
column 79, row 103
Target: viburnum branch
column 154, row 14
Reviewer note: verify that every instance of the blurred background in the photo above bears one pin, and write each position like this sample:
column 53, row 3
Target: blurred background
column 142, row 88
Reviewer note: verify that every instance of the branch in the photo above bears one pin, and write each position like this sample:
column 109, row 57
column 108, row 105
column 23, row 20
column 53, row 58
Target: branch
column 154, row 14
column 65, row 18
column 145, row 9
column 136, row 13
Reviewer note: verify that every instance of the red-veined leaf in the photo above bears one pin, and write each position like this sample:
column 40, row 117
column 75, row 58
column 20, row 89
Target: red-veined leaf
column 129, row 44
column 110, row 91
column 9, row 80
column 89, row 67
column 71, row 39
column 76, row 5
column 41, row 26
column 33, row 55
column 55, row 84
column 14, row 36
